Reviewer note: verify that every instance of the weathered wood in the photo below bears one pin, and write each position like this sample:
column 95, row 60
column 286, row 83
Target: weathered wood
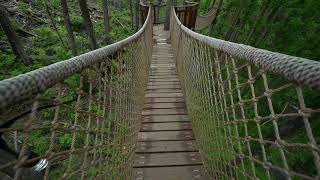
column 166, row 141
column 170, row 126
column 148, row 112
column 171, row 173
column 164, row 100
column 164, row 105
column 166, row 136
column 165, row 118
column 154, row 95
column 167, row 159
column 166, row 146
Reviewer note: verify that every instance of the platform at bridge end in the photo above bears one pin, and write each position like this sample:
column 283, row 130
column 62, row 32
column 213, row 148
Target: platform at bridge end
column 166, row 147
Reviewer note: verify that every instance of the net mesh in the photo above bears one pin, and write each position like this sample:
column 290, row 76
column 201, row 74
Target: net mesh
column 83, row 127
column 249, row 121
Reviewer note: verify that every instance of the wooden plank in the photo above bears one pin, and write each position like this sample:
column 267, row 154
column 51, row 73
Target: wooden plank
column 164, row 90
column 151, row 83
column 167, row 159
column 163, row 95
column 169, row 126
column 162, row 61
column 164, row 76
column 170, row 86
column 165, row 118
column 164, row 66
column 164, row 80
column 166, row 136
column 164, row 105
column 148, row 112
column 166, row 146
column 161, row 100
column 196, row 172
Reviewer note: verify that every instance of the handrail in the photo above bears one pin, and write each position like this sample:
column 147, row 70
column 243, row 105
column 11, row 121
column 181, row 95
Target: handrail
column 18, row 88
column 301, row 70
column 252, row 110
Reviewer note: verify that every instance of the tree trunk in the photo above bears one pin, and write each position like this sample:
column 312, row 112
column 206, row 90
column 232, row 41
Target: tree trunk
column 210, row 4
column 13, row 38
column 106, row 21
column 87, row 21
column 168, row 14
column 273, row 14
column 67, row 23
column 117, row 4
column 53, row 22
column 131, row 14
column 257, row 20
column 214, row 21
column 235, row 20
column 137, row 7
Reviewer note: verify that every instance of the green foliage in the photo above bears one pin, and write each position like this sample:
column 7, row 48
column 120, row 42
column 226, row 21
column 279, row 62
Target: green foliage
column 292, row 30
column 40, row 143
column 65, row 141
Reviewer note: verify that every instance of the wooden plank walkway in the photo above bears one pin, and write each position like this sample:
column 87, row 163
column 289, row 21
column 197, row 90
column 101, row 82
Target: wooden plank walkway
column 166, row 147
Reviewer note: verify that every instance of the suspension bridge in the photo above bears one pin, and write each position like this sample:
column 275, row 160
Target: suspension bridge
column 163, row 105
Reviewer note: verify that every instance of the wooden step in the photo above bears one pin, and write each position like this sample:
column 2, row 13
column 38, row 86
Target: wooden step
column 167, row 159
column 164, row 90
column 164, row 100
column 171, row 86
column 174, row 111
column 170, row 173
column 166, row 146
column 164, row 76
column 167, row 83
column 163, row 95
column 166, row 136
column 165, row 118
column 164, row 80
column 164, row 105
column 170, row 126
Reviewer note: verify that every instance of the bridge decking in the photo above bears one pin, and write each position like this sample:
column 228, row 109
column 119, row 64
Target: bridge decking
column 166, row 147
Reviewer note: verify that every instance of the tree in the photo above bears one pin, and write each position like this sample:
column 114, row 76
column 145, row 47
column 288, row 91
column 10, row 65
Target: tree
column 168, row 14
column 87, row 21
column 131, row 14
column 106, row 20
column 53, row 22
column 12, row 36
column 137, row 10
column 214, row 21
column 258, row 18
column 236, row 19
column 67, row 23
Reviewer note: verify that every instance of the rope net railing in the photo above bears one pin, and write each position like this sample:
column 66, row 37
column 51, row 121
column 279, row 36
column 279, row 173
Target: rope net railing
column 255, row 113
column 79, row 118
